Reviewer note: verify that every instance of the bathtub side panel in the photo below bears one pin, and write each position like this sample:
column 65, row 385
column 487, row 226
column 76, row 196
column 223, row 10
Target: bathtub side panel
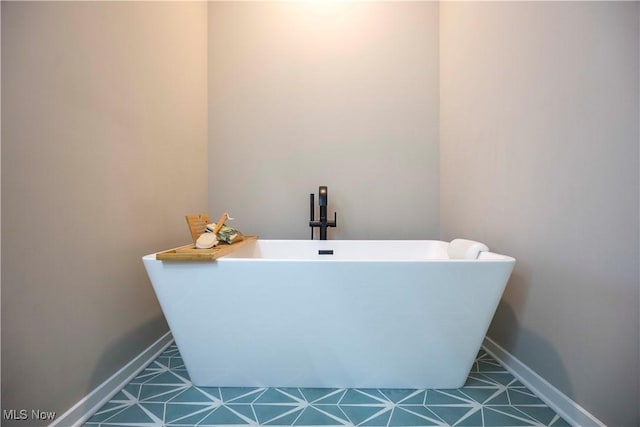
column 320, row 324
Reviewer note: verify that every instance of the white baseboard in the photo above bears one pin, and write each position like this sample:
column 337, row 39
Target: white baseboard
column 569, row 410
column 87, row 406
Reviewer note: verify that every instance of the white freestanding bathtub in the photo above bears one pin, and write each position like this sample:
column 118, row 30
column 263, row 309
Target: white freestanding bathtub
column 275, row 313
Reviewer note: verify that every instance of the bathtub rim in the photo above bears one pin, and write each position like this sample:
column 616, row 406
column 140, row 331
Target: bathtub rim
column 484, row 257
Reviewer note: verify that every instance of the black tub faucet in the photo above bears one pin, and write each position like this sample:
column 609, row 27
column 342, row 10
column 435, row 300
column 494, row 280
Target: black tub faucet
column 323, row 196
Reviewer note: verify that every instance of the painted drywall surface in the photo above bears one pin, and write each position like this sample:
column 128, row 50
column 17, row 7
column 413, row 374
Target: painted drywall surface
column 343, row 94
column 539, row 159
column 0, row 205
column 104, row 151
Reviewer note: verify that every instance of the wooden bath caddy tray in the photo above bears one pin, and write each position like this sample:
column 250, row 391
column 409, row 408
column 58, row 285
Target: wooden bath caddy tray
column 197, row 226
column 190, row 253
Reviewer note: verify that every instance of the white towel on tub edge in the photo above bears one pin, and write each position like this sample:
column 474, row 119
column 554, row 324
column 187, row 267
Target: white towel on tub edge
column 465, row 249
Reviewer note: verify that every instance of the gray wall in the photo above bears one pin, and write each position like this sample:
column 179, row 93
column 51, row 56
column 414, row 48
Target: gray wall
column 0, row 205
column 105, row 122
column 104, row 144
column 539, row 159
column 343, row 94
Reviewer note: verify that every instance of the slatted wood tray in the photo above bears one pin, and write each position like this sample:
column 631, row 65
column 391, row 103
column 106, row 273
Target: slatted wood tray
column 190, row 253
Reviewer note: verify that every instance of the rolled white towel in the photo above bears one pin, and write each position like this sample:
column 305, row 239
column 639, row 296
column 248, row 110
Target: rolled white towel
column 465, row 249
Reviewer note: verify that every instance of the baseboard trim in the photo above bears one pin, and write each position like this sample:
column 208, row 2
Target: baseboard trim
column 572, row 413
column 87, row 406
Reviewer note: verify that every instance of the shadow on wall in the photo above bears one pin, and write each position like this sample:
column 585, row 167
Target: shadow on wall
column 122, row 350
column 509, row 334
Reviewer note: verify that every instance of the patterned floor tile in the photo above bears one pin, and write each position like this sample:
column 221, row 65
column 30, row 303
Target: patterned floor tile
column 227, row 415
column 239, row 394
column 316, row 395
column 163, row 395
column 359, row 414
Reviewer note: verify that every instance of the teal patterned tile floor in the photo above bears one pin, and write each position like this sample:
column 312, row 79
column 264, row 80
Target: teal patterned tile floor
column 162, row 395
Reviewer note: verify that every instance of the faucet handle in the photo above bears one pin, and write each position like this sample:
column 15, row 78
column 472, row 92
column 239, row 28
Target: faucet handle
column 335, row 220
